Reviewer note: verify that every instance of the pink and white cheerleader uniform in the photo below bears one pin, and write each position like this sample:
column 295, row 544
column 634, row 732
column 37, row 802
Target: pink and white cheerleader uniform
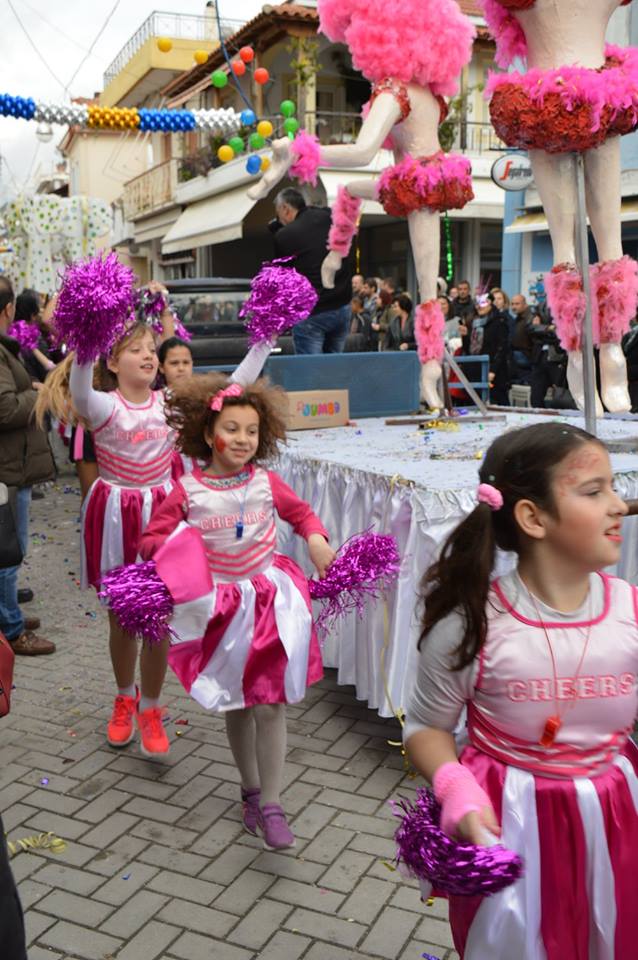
column 137, row 462
column 245, row 636
column 570, row 807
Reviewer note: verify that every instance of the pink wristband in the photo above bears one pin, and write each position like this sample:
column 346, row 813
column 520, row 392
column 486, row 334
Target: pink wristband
column 458, row 792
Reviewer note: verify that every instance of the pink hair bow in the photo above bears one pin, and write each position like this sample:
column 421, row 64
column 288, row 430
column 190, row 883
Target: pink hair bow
column 217, row 401
column 490, row 495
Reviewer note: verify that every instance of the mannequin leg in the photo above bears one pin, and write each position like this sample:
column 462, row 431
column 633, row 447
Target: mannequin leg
column 425, row 238
column 614, row 278
column 556, row 182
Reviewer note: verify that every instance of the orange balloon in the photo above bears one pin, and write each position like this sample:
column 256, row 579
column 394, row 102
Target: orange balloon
column 261, row 76
column 239, row 67
column 247, row 54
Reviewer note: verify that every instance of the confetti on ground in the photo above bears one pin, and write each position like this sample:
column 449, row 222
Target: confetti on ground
column 44, row 781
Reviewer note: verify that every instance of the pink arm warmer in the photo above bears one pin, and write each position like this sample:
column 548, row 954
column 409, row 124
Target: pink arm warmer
column 458, row 792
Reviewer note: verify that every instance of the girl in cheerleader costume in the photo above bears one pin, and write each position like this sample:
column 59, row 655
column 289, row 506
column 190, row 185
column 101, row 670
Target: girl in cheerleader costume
column 244, row 640
column 413, row 52
column 579, row 95
column 134, row 448
column 545, row 660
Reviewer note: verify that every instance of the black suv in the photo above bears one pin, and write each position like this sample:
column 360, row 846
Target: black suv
column 209, row 308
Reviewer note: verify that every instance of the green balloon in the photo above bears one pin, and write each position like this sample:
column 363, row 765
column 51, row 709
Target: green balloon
column 237, row 144
column 256, row 141
column 219, row 78
column 291, row 125
column 287, row 108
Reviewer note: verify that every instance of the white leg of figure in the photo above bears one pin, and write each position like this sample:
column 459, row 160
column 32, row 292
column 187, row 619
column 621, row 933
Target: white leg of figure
column 366, row 190
column 602, row 180
column 425, row 239
column 555, row 179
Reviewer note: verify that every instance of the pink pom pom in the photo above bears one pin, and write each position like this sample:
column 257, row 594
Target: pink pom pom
column 94, row 306
column 27, row 334
column 139, row 600
column 428, row 331
column 345, row 219
column 307, row 152
column 566, row 302
column 280, row 298
column 615, row 297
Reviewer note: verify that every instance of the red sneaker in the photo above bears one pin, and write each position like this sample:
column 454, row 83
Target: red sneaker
column 120, row 729
column 154, row 741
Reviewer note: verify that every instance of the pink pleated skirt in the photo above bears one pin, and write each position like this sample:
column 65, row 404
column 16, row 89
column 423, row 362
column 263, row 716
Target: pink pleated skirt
column 249, row 642
column 113, row 519
column 578, row 899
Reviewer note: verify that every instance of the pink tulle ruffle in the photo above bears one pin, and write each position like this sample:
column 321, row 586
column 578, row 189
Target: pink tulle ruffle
column 345, row 217
column 614, row 297
column 428, row 331
column 426, row 42
column 566, row 302
column 507, row 31
column 307, row 153
column 441, row 182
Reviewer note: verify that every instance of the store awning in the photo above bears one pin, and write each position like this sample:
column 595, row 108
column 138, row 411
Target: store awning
column 216, row 219
column 536, row 222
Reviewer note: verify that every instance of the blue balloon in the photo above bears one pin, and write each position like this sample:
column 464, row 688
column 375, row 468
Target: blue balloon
column 247, row 117
column 253, row 164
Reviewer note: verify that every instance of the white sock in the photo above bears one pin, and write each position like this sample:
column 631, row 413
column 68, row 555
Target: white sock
column 127, row 691
column 270, row 725
column 240, row 730
column 147, row 703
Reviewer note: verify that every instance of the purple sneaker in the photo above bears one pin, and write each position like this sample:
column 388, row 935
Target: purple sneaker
column 274, row 827
column 250, row 809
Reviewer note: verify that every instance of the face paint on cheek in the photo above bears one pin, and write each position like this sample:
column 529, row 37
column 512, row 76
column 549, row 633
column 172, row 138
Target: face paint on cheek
column 220, row 444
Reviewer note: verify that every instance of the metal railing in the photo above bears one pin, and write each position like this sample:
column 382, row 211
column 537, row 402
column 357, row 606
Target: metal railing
column 177, row 26
column 151, row 190
column 476, row 138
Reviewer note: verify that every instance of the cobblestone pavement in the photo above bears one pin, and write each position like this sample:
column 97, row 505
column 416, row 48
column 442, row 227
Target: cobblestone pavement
column 156, row 863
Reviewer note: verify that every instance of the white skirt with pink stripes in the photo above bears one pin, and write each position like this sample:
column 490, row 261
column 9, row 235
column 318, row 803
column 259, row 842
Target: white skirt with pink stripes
column 578, row 899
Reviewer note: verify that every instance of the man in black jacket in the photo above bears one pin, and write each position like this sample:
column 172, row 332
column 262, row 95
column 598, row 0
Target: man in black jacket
column 302, row 233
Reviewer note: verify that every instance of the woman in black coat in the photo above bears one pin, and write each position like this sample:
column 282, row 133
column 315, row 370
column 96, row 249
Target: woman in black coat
column 400, row 334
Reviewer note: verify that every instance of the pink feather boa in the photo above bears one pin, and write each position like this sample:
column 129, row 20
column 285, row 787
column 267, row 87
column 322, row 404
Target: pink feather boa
column 615, row 298
column 345, row 218
column 566, row 302
column 426, row 42
column 307, row 153
column 507, row 31
column 614, row 86
column 428, row 331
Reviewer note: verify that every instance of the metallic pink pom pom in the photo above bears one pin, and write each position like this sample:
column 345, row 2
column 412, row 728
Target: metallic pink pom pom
column 365, row 564
column 151, row 305
column 460, row 869
column 27, row 334
column 280, row 298
column 94, row 306
column 139, row 600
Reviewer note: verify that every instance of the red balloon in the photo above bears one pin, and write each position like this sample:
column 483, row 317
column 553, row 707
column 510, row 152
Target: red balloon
column 261, row 75
column 247, row 54
column 239, row 68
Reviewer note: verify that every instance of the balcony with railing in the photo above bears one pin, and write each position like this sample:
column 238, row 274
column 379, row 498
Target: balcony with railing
column 151, row 191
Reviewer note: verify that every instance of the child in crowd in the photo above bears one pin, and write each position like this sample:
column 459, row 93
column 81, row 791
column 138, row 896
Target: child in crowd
column 134, row 451
column 175, row 360
column 257, row 649
column 545, row 659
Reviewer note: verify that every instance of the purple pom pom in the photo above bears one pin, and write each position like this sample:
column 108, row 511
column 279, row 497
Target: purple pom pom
column 151, row 304
column 180, row 329
column 94, row 306
column 364, row 565
column 280, row 298
column 27, row 334
column 460, row 869
column 139, row 600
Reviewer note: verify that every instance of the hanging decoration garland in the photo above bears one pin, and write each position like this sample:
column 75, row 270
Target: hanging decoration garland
column 449, row 253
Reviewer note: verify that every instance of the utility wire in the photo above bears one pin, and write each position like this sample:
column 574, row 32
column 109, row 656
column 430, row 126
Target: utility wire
column 90, row 50
column 35, row 49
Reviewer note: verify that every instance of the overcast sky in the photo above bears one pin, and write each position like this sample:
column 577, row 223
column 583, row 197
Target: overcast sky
column 62, row 32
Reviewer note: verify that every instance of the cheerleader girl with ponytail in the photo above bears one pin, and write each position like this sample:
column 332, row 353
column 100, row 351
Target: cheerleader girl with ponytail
column 545, row 661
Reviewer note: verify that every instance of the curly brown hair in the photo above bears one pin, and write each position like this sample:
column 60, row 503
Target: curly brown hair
column 188, row 413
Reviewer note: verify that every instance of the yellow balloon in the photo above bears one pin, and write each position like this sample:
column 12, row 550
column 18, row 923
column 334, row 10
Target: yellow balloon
column 225, row 153
column 264, row 127
column 265, row 163
column 164, row 44
column 200, row 56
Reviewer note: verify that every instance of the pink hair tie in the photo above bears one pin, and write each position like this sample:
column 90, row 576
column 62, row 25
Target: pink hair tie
column 217, row 401
column 490, row 495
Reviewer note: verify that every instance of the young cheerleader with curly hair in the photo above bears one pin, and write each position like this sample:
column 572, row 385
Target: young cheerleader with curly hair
column 134, row 448
column 545, row 659
column 248, row 647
